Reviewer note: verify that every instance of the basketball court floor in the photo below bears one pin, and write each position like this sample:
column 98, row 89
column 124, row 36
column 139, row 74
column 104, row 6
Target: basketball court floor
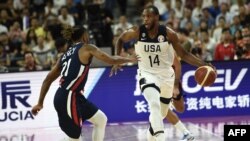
column 204, row 129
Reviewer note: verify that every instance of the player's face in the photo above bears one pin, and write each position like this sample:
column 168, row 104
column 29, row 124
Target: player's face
column 149, row 18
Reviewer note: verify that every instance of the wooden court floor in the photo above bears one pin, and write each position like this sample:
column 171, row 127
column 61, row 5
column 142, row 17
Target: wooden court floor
column 204, row 129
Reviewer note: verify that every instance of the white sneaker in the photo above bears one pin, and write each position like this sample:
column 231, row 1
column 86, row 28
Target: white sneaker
column 187, row 137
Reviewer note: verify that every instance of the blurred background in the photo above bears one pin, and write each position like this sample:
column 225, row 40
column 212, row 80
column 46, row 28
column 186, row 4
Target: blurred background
column 215, row 30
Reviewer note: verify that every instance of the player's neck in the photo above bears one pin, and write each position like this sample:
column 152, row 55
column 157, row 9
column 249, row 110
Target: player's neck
column 153, row 32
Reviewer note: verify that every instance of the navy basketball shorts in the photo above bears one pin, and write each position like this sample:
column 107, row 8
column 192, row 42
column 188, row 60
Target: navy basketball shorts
column 72, row 109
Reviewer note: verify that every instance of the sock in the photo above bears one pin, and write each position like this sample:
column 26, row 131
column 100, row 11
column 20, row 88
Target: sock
column 180, row 126
column 150, row 136
column 71, row 139
column 99, row 120
column 153, row 98
column 160, row 137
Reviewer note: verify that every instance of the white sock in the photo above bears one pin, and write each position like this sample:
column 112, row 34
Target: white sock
column 160, row 137
column 153, row 98
column 149, row 136
column 69, row 139
column 180, row 126
column 99, row 120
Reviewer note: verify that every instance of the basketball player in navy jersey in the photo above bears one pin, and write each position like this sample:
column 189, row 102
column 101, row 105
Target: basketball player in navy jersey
column 156, row 45
column 73, row 68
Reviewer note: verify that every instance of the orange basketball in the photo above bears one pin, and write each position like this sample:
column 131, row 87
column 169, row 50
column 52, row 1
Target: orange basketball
column 205, row 75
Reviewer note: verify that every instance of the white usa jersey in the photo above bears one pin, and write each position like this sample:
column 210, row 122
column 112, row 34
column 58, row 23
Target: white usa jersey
column 156, row 54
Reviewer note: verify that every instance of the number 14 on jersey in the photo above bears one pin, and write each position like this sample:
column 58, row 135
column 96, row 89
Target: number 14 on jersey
column 154, row 60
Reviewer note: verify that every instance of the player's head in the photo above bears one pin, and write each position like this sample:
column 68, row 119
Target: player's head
column 75, row 34
column 150, row 16
column 61, row 45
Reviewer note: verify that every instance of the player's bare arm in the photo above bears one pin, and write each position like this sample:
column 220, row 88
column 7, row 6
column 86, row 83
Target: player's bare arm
column 99, row 54
column 178, row 100
column 177, row 69
column 132, row 33
column 51, row 76
column 185, row 56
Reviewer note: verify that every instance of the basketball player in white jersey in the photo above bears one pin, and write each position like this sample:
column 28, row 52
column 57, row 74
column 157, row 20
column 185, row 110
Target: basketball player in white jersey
column 156, row 45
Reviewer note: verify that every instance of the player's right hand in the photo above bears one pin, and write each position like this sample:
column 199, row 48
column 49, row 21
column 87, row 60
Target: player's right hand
column 209, row 64
column 135, row 58
column 36, row 109
column 114, row 69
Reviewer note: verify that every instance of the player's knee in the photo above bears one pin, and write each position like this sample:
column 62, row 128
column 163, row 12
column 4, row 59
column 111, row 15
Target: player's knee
column 180, row 109
column 102, row 119
column 165, row 100
column 179, row 106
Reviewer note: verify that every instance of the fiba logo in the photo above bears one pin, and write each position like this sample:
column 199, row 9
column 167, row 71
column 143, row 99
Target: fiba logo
column 161, row 38
column 14, row 95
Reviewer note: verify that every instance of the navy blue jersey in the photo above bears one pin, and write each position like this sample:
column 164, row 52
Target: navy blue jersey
column 160, row 37
column 74, row 74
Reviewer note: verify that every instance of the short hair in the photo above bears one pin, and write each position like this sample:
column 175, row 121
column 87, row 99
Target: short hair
column 184, row 31
column 222, row 18
column 73, row 33
column 225, row 30
column 204, row 30
column 60, row 42
column 153, row 9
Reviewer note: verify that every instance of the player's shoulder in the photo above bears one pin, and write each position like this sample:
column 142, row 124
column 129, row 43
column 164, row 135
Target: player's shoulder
column 134, row 28
column 171, row 34
column 170, row 30
column 89, row 46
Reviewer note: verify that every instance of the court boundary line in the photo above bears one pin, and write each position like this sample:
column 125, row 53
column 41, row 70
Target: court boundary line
column 205, row 130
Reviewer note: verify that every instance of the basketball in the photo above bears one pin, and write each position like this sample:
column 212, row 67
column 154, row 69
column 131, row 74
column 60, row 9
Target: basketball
column 205, row 75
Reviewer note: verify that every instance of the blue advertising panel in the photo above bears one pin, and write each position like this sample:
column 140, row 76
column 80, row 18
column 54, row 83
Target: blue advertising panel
column 117, row 96
column 120, row 98
column 228, row 96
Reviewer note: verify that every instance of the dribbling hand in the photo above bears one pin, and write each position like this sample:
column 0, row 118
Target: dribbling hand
column 210, row 65
column 36, row 109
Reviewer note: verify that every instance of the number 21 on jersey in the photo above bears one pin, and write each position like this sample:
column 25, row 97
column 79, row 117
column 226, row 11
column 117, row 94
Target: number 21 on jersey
column 65, row 68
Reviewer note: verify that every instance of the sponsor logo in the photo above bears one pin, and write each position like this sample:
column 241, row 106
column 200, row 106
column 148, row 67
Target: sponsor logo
column 161, row 38
column 14, row 95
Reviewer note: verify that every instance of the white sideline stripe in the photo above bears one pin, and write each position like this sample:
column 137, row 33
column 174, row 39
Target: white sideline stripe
column 79, row 74
column 205, row 130
column 91, row 83
column 69, row 104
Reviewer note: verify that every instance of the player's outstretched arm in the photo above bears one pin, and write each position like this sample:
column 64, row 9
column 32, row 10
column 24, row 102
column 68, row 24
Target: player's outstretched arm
column 51, row 76
column 126, row 36
column 113, row 60
column 130, row 34
column 185, row 56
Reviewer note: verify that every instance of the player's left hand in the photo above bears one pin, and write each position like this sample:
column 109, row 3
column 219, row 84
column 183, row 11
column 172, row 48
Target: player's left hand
column 209, row 64
column 36, row 109
column 114, row 69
